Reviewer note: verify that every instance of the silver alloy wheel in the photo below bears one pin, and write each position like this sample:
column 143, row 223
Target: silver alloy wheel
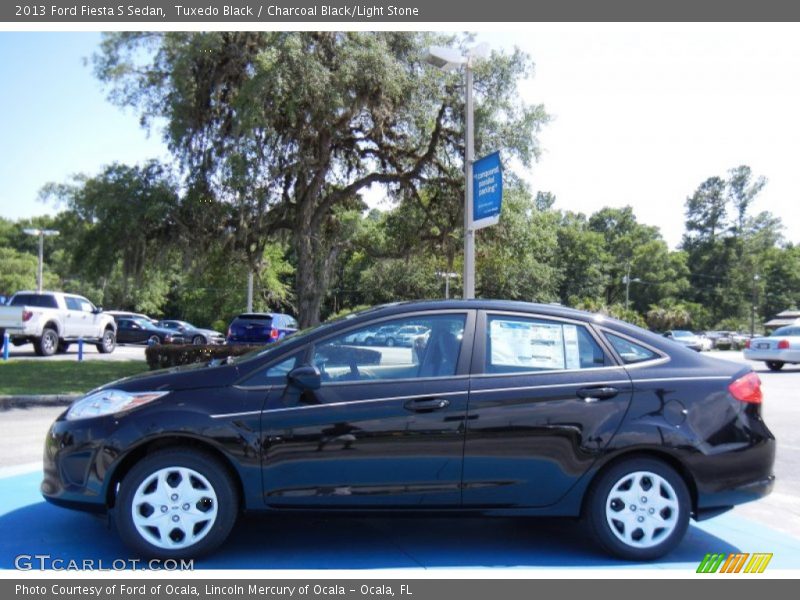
column 49, row 341
column 174, row 508
column 198, row 340
column 642, row 509
column 153, row 340
column 108, row 341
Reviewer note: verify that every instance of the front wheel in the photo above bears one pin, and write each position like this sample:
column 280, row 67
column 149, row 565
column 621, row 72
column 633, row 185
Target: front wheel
column 198, row 340
column 107, row 343
column 176, row 504
column 775, row 365
column 638, row 509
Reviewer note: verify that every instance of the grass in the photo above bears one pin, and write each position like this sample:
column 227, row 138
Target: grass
column 32, row 377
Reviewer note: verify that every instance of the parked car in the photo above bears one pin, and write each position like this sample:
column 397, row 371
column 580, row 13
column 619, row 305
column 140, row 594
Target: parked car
column 190, row 333
column 405, row 336
column 722, row 340
column 260, row 328
column 537, row 410
column 781, row 347
column 142, row 331
column 685, row 338
column 706, row 343
column 381, row 335
column 124, row 314
column 51, row 321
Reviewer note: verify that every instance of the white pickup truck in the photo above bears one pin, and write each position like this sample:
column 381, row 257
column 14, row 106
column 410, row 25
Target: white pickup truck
column 52, row 320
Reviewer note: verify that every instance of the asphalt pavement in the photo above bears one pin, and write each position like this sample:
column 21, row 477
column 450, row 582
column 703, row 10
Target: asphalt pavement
column 121, row 352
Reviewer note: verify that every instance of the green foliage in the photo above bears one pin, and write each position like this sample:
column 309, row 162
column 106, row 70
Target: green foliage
column 165, row 356
column 28, row 377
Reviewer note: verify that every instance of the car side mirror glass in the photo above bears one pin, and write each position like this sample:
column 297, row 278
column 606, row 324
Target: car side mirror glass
column 306, row 377
column 98, row 310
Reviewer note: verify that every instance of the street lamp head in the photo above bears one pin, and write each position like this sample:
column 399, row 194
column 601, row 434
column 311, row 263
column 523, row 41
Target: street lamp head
column 40, row 231
column 444, row 58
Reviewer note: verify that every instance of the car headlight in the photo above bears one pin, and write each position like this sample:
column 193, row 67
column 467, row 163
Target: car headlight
column 106, row 402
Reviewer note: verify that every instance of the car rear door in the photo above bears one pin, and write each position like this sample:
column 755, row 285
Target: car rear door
column 251, row 329
column 546, row 398
column 385, row 429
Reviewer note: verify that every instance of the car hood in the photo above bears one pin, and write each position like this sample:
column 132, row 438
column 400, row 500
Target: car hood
column 211, row 332
column 199, row 375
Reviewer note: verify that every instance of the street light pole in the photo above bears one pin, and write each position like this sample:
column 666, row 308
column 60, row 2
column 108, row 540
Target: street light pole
column 40, row 273
column 469, row 233
column 446, row 59
column 753, row 307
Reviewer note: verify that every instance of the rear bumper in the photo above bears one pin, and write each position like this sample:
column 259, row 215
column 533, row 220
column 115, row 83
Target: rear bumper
column 790, row 356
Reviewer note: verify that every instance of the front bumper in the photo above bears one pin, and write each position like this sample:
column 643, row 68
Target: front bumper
column 76, row 461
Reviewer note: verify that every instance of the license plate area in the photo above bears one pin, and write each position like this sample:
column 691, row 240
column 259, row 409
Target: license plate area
column 762, row 345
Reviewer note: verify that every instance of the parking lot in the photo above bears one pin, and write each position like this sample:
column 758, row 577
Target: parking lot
column 31, row 526
column 121, row 352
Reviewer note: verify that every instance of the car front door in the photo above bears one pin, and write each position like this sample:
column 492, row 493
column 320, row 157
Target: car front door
column 385, row 428
column 546, row 398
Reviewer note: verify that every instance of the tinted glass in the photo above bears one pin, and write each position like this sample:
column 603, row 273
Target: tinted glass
column 433, row 353
column 791, row 331
column 517, row 344
column 274, row 374
column 629, row 351
column 37, row 300
column 73, row 303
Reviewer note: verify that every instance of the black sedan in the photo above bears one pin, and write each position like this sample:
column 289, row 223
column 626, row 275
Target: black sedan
column 142, row 331
column 506, row 409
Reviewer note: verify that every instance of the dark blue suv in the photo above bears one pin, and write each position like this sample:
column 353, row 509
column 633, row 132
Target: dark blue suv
column 260, row 328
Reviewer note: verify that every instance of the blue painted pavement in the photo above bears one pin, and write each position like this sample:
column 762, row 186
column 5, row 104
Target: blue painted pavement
column 28, row 525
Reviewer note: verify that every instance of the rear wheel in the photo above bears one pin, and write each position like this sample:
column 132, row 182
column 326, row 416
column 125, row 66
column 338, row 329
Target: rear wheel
column 638, row 509
column 176, row 504
column 153, row 340
column 390, row 342
column 775, row 365
column 47, row 344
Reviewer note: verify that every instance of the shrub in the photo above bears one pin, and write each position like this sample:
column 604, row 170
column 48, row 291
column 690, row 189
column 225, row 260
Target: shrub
column 161, row 357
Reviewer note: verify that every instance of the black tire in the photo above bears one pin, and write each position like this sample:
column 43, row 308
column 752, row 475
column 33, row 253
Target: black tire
column 605, row 492
column 153, row 340
column 108, row 342
column 775, row 365
column 211, row 534
column 390, row 342
column 47, row 345
column 63, row 347
column 198, row 340
column 370, row 341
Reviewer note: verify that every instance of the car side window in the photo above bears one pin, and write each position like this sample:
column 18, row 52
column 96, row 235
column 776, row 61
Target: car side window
column 276, row 373
column 407, row 348
column 72, row 303
column 629, row 351
column 519, row 345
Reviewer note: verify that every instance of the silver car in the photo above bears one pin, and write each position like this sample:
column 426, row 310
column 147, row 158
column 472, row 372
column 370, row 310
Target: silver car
column 781, row 347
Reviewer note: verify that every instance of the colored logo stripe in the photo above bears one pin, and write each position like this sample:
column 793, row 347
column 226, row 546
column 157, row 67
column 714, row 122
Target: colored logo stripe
column 734, row 562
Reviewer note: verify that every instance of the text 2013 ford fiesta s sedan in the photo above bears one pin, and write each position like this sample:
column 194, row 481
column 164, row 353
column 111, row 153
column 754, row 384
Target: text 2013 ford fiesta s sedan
column 501, row 408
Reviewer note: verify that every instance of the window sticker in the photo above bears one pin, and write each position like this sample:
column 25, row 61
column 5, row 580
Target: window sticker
column 571, row 348
column 527, row 344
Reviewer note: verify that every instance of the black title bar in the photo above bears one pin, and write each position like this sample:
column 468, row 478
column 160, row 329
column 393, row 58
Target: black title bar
column 408, row 11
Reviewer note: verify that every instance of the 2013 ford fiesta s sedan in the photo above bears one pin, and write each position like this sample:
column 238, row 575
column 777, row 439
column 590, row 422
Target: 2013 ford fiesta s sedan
column 496, row 408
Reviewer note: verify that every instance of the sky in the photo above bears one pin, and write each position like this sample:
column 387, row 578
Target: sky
column 641, row 114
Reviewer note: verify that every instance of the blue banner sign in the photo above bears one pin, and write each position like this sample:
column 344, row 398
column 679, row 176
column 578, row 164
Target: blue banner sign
column 487, row 191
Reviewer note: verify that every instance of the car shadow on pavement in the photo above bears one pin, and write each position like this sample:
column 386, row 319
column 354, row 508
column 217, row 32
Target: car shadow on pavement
column 311, row 542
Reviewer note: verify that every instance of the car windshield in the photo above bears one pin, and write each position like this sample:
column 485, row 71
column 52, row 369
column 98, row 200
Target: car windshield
column 682, row 333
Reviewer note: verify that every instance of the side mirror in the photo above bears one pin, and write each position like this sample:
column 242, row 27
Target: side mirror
column 306, row 377
column 98, row 310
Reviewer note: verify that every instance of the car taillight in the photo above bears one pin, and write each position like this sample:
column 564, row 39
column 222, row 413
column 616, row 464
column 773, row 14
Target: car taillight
column 783, row 345
column 747, row 389
column 747, row 344
column 274, row 333
column 26, row 315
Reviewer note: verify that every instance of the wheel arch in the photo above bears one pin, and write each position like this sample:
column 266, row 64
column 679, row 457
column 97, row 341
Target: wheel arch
column 653, row 453
column 52, row 324
column 177, row 442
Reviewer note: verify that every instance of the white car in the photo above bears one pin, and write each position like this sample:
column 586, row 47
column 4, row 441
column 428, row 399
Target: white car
column 53, row 320
column 781, row 347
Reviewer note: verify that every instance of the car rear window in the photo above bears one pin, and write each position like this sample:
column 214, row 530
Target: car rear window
column 38, row 300
column 630, row 352
column 254, row 317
